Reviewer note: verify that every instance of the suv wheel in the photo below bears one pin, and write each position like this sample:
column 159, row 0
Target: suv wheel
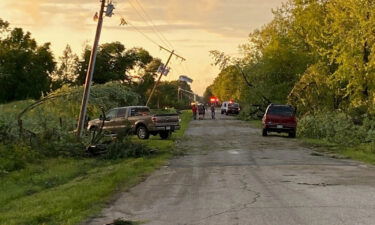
column 292, row 133
column 142, row 132
column 264, row 132
column 94, row 129
column 165, row 134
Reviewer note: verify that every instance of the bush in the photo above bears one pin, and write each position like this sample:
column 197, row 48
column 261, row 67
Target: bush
column 7, row 130
column 126, row 148
column 16, row 156
column 252, row 112
column 336, row 127
column 47, row 128
column 63, row 111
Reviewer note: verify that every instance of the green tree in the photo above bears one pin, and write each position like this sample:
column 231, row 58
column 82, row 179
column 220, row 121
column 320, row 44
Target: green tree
column 208, row 93
column 229, row 84
column 315, row 54
column 25, row 66
column 166, row 95
column 149, row 74
column 113, row 62
column 67, row 71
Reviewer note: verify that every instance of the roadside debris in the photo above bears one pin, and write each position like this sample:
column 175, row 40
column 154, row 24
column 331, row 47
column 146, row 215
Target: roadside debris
column 317, row 184
column 122, row 221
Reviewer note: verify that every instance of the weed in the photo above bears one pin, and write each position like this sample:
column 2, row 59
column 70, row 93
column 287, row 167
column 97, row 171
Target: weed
column 66, row 190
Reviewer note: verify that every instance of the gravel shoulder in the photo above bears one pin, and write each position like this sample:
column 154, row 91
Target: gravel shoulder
column 232, row 175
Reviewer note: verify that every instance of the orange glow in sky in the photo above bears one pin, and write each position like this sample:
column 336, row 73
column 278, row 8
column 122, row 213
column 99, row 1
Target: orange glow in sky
column 192, row 28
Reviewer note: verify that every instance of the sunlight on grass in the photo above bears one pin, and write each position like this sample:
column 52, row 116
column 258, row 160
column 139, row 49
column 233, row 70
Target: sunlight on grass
column 362, row 152
column 67, row 191
column 256, row 123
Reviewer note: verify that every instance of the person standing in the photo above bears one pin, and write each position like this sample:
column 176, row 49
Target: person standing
column 194, row 110
column 203, row 110
column 213, row 111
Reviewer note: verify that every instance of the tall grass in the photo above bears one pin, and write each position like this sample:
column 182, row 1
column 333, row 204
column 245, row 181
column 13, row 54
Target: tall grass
column 69, row 190
column 339, row 133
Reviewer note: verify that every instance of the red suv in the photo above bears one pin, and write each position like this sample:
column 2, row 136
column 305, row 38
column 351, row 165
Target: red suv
column 280, row 118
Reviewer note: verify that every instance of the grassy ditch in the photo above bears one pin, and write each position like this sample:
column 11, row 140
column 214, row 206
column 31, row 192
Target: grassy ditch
column 256, row 123
column 364, row 152
column 65, row 190
column 340, row 134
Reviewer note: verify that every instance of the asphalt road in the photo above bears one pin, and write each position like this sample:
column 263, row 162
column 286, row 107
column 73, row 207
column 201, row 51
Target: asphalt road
column 231, row 175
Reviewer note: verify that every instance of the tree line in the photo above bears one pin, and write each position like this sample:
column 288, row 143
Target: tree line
column 315, row 54
column 29, row 70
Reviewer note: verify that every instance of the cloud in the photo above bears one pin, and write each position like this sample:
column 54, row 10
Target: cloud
column 229, row 18
column 31, row 10
column 224, row 17
column 41, row 13
column 193, row 26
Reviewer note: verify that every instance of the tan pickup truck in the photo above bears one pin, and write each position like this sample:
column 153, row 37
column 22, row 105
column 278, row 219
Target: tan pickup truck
column 140, row 121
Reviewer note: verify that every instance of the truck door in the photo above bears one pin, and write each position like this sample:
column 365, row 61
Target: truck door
column 109, row 122
column 119, row 122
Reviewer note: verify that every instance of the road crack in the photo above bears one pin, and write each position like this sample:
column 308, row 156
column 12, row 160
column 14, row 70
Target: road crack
column 238, row 208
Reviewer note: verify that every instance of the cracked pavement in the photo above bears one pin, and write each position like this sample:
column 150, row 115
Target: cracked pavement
column 231, row 175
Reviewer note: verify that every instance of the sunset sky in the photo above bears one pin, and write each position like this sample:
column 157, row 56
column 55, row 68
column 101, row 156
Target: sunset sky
column 192, row 28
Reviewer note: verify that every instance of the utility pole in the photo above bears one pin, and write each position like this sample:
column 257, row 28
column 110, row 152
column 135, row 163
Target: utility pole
column 90, row 70
column 189, row 92
column 162, row 71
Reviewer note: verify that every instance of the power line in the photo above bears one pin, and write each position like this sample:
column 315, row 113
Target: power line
column 150, row 19
column 179, row 70
column 148, row 23
column 172, row 52
column 187, row 69
column 126, row 22
column 151, row 40
column 143, row 34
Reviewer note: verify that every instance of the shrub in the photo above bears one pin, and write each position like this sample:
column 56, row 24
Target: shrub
column 126, row 148
column 48, row 125
column 336, row 127
column 252, row 112
column 7, row 130
column 16, row 156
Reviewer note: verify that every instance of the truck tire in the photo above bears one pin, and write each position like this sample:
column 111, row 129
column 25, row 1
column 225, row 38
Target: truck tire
column 142, row 132
column 165, row 134
column 94, row 129
column 292, row 133
column 264, row 132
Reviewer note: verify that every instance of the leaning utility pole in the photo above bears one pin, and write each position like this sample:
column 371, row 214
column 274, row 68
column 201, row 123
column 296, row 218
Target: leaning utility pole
column 90, row 72
column 163, row 71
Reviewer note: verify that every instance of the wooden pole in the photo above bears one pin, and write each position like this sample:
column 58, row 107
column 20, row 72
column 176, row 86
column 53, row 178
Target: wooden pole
column 161, row 75
column 90, row 72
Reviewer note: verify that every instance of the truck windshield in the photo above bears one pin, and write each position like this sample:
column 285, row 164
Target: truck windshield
column 234, row 105
column 281, row 111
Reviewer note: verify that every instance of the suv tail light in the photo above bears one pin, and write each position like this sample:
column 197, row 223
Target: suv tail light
column 154, row 119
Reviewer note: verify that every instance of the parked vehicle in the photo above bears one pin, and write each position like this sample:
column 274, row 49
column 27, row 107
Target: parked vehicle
column 230, row 108
column 280, row 119
column 139, row 120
